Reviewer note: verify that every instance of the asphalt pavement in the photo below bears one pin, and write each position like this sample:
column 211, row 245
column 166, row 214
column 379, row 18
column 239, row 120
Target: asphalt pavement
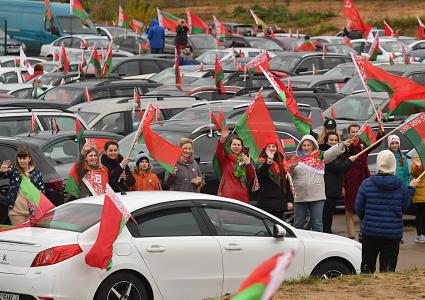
column 412, row 255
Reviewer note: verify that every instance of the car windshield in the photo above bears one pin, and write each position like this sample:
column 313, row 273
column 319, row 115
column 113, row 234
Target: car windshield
column 343, row 49
column 208, row 58
column 75, row 25
column 391, row 46
column 207, row 81
column 63, row 94
column 284, row 63
column 264, row 44
column 355, row 108
column 126, row 142
column 87, row 116
column 341, row 71
column 204, row 42
column 76, row 217
column 100, row 43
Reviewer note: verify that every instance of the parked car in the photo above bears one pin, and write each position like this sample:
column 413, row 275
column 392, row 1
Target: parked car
column 139, row 65
column 261, row 43
column 126, row 40
column 289, row 43
column 208, row 58
column 12, row 75
column 121, row 115
column 336, row 48
column 53, row 182
column 387, row 46
column 57, row 78
column 15, row 120
column 73, row 93
column 239, row 28
column 18, row 90
column 301, row 63
column 198, row 43
column 318, row 83
column 228, row 238
column 12, row 61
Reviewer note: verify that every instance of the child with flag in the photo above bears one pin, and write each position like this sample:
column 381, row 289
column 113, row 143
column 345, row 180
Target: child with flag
column 308, row 169
column 87, row 177
column 274, row 195
column 358, row 172
column 236, row 168
column 19, row 211
column 144, row 179
column 186, row 176
column 419, row 200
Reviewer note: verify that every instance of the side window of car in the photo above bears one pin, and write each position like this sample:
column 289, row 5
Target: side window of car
column 279, row 114
column 24, row 93
column 128, row 42
column 130, row 68
column 306, row 66
column 112, row 122
column 149, row 66
column 101, row 94
column 288, row 141
column 66, row 42
column 358, row 46
column 204, row 144
column 312, row 101
column 327, row 87
column 63, row 152
column 418, row 77
column 168, row 222
column 332, row 62
column 76, row 43
column 228, row 222
column 9, row 77
column 123, row 92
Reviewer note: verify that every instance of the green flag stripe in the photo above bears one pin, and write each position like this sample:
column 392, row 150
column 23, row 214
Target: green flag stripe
column 169, row 16
column 364, row 137
column 379, row 86
column 418, row 142
column 408, row 107
column 244, row 133
column 253, row 292
column 81, row 14
column 72, row 187
column 197, row 30
column 30, row 191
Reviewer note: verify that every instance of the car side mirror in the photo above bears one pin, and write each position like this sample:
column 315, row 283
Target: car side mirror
column 278, row 231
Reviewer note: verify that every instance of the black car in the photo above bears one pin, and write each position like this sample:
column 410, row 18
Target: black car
column 139, row 65
column 53, row 182
column 301, row 63
column 205, row 139
column 73, row 93
column 135, row 44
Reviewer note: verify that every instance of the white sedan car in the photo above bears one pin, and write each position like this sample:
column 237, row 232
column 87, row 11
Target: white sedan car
column 185, row 246
column 387, row 46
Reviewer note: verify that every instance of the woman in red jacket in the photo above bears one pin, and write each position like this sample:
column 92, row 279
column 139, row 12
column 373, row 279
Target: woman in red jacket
column 235, row 168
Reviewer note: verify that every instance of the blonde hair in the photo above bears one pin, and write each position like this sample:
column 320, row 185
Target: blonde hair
column 183, row 141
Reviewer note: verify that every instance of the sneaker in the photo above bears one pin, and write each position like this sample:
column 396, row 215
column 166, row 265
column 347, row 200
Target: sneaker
column 420, row 239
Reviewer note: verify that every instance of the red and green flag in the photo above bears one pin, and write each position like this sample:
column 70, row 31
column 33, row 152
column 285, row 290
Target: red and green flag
column 219, row 76
column 47, row 10
column 123, row 21
column 367, row 135
column 107, row 66
column 37, row 201
column 196, row 24
column 257, row 20
column 414, row 130
column 302, row 123
column 421, row 31
column 388, row 31
column 95, row 61
column 137, row 26
column 136, row 97
column 220, row 29
column 64, row 59
column 255, row 126
column 87, row 95
column 266, row 279
column 76, row 9
column 218, row 121
column 261, row 59
column 406, row 96
column 79, row 130
column 167, row 20
column 177, row 68
column 354, row 19
column 72, row 185
column 113, row 219
column 374, row 49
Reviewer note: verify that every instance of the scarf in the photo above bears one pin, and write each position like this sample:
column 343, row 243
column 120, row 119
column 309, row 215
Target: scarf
column 313, row 162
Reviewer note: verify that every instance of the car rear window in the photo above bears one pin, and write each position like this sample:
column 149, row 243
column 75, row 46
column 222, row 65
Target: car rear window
column 76, row 217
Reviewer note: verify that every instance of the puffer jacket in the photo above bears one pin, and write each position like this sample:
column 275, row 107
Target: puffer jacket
column 420, row 187
column 380, row 203
column 310, row 186
column 182, row 180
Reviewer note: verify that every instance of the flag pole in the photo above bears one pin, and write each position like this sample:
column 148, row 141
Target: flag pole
column 139, row 130
column 367, row 90
column 378, row 141
column 422, row 175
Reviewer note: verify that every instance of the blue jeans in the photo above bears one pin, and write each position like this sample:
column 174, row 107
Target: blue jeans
column 156, row 50
column 316, row 211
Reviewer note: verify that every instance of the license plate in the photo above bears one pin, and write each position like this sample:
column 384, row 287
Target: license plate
column 6, row 296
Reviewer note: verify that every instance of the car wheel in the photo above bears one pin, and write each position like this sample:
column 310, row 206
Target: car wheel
column 122, row 286
column 330, row 269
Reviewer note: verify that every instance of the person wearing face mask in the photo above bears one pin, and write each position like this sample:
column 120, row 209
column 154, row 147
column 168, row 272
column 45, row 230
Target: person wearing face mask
column 402, row 170
column 308, row 169
column 274, row 195
column 334, row 180
column 18, row 208
column 87, row 177
column 358, row 172
column 120, row 177
column 187, row 176
column 236, row 169
column 145, row 180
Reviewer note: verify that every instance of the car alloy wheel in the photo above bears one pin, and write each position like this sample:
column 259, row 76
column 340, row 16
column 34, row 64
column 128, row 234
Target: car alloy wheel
column 124, row 290
column 331, row 274
column 331, row 268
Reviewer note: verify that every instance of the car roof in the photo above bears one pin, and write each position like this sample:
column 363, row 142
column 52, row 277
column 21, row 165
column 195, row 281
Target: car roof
column 307, row 54
column 14, row 86
column 34, row 103
column 116, row 60
column 402, row 67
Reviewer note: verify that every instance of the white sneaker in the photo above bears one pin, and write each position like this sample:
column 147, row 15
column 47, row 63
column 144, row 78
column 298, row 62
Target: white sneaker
column 420, row 239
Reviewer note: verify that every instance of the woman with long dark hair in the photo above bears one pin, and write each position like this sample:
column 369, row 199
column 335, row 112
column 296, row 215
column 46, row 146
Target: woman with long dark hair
column 274, row 194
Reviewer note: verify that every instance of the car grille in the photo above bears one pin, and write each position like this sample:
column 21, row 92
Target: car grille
column 21, row 296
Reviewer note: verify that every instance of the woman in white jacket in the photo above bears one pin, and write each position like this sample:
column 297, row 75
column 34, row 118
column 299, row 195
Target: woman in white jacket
column 308, row 169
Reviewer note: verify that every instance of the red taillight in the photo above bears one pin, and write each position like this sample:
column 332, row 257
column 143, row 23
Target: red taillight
column 55, row 255
column 56, row 184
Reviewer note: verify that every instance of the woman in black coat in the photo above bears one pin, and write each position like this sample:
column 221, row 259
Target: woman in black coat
column 275, row 190
column 120, row 176
column 334, row 180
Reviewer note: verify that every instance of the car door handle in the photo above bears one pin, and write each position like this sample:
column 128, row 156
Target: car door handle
column 233, row 247
column 155, row 248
